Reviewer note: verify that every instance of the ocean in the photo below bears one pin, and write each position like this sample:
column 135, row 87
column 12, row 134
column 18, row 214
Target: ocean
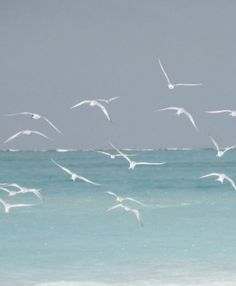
column 68, row 239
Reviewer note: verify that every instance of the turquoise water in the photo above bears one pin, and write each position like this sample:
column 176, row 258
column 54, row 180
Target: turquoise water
column 188, row 238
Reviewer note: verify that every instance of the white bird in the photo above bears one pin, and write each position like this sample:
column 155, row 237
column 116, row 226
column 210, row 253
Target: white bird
column 221, row 152
column 230, row 112
column 9, row 206
column 133, row 164
column 36, row 116
column 221, row 178
column 24, row 190
column 128, row 209
column 94, row 103
column 179, row 111
column 120, row 199
column 74, row 176
column 173, row 85
column 112, row 156
column 26, row 132
column 108, row 100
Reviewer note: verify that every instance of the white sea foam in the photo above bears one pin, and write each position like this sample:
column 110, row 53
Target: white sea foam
column 138, row 283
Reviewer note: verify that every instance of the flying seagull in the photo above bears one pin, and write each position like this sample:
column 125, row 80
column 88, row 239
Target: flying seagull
column 128, row 209
column 9, row 206
column 120, row 199
column 133, row 164
column 36, row 116
column 94, row 103
column 173, row 85
column 220, row 152
column 24, row 190
column 221, row 178
column 112, row 156
column 26, row 132
column 108, row 100
column 74, row 176
column 230, row 112
column 179, row 111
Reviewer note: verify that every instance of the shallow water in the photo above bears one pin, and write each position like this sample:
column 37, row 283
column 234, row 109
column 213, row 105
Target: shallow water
column 69, row 239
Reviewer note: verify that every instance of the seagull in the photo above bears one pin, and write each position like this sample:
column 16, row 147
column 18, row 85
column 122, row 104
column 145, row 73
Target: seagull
column 94, row 103
column 36, row 116
column 132, row 164
column 128, row 209
column 181, row 110
column 108, row 100
column 9, row 206
column 220, row 153
column 221, row 178
column 26, row 132
column 173, row 85
column 74, row 176
column 120, row 199
column 231, row 112
column 112, row 156
column 24, row 190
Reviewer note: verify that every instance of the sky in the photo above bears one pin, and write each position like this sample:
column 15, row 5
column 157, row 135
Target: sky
column 56, row 53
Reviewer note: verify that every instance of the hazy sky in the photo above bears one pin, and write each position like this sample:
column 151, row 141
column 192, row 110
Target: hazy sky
column 56, row 53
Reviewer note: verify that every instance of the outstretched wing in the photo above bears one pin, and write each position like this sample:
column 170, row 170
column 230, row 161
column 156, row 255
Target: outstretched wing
column 164, row 72
column 169, row 108
column 111, row 193
column 210, row 175
column 20, row 205
column 61, row 167
column 103, row 152
column 138, row 216
column 19, row 113
column 40, row 134
column 103, row 110
column 188, row 84
column 87, row 180
column 231, row 181
column 122, row 154
column 133, row 200
column 190, row 118
column 219, row 111
column 115, row 207
column 53, row 126
column 80, row 103
column 13, row 136
column 215, row 143
column 149, row 163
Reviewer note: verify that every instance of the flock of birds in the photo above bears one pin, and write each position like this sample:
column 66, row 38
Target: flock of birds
column 100, row 103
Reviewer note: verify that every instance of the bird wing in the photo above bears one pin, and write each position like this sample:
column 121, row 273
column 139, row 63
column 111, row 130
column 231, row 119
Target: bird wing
column 111, row 193
column 190, row 118
column 122, row 154
column 133, row 200
column 113, row 98
column 13, row 136
column 164, row 72
column 229, row 148
column 103, row 152
column 87, row 180
column 103, row 110
column 19, row 113
column 168, row 108
column 37, row 193
column 5, row 189
column 187, row 84
column 20, row 205
column 40, row 134
column 210, row 175
column 53, row 126
column 149, row 163
column 231, row 181
column 115, row 207
column 80, row 103
column 219, row 111
column 138, row 216
column 63, row 168
column 215, row 143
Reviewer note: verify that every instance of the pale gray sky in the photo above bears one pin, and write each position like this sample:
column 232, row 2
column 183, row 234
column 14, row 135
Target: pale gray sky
column 55, row 53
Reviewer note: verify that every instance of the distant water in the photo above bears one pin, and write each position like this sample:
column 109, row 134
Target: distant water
column 189, row 233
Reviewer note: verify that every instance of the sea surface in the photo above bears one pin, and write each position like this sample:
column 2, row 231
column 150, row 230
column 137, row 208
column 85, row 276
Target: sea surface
column 68, row 239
